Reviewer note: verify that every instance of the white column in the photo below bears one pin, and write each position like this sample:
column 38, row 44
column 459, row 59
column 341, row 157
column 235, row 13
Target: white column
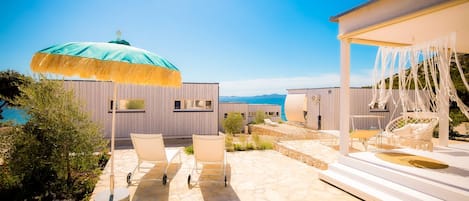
column 443, row 106
column 344, row 96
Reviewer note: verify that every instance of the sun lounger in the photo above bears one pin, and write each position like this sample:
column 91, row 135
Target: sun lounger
column 150, row 148
column 270, row 122
column 208, row 149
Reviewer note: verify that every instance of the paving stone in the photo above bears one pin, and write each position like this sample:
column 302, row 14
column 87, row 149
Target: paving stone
column 253, row 175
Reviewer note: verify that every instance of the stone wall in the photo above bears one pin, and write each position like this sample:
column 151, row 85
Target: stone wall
column 263, row 131
column 294, row 154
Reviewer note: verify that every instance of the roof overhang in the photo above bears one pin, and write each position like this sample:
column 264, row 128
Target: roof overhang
column 405, row 22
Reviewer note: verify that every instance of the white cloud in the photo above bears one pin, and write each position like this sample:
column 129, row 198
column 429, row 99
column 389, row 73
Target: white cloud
column 279, row 85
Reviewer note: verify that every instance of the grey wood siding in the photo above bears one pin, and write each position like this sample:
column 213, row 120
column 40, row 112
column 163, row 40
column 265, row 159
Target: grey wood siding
column 253, row 108
column 159, row 115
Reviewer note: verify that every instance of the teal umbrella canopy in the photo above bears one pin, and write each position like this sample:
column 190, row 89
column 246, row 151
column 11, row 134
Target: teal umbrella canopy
column 107, row 61
column 122, row 42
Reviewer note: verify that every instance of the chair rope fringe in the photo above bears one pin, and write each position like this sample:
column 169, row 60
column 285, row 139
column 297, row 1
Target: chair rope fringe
column 433, row 60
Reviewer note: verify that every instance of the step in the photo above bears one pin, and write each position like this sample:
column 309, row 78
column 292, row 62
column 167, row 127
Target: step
column 427, row 186
column 369, row 187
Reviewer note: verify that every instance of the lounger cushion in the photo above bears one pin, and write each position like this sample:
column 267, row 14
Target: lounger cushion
column 421, row 131
column 405, row 131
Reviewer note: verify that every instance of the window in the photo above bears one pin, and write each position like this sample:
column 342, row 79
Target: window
column 226, row 115
column 177, row 105
column 242, row 114
column 271, row 114
column 128, row 105
column 190, row 105
column 276, row 114
column 376, row 108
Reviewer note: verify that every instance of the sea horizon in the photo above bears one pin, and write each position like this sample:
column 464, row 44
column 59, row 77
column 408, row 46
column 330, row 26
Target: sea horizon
column 276, row 99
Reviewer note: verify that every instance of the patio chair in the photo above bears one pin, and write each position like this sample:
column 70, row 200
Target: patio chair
column 150, row 149
column 413, row 129
column 208, row 149
column 270, row 122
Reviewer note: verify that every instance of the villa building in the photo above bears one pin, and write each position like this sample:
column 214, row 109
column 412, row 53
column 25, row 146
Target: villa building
column 174, row 112
column 248, row 111
column 318, row 108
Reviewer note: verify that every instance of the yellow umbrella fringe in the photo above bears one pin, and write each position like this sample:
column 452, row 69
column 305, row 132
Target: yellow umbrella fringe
column 120, row 72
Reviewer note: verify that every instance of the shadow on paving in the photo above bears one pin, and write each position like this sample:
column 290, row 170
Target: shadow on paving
column 211, row 183
column 154, row 189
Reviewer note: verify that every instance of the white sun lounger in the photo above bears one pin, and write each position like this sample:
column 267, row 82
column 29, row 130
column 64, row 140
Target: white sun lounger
column 208, row 149
column 150, row 148
column 270, row 122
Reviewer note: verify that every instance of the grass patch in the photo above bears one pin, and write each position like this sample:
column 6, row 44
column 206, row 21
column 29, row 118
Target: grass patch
column 242, row 142
column 265, row 145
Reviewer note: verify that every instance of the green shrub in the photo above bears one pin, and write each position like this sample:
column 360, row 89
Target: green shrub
column 250, row 146
column 229, row 142
column 243, row 139
column 239, row 147
column 260, row 116
column 256, row 138
column 233, row 123
column 53, row 156
column 265, row 145
column 189, row 150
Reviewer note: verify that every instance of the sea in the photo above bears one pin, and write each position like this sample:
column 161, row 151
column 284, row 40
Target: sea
column 20, row 117
column 277, row 99
column 16, row 116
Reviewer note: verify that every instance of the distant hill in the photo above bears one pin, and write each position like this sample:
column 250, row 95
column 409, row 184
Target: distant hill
column 277, row 99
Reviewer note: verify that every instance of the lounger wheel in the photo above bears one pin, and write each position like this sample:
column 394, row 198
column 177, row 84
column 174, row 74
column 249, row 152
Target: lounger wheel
column 189, row 180
column 225, row 182
column 165, row 179
column 129, row 176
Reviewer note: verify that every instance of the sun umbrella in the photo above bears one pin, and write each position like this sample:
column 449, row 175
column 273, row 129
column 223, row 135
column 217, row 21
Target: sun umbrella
column 115, row 61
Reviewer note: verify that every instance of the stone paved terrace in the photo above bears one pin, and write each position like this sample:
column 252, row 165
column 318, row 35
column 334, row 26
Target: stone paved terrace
column 252, row 175
column 315, row 148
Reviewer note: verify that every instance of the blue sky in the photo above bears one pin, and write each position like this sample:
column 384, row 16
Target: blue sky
column 250, row 47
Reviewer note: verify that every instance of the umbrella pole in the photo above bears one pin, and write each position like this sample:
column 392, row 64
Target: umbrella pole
column 113, row 133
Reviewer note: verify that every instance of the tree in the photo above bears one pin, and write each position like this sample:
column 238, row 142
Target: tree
column 10, row 85
column 260, row 116
column 233, row 123
column 455, row 114
column 54, row 149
